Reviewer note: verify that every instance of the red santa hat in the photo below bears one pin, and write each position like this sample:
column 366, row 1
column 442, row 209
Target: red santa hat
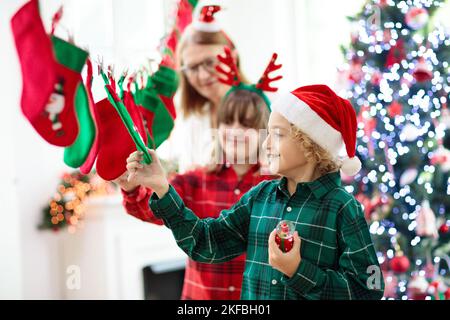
column 326, row 118
column 206, row 21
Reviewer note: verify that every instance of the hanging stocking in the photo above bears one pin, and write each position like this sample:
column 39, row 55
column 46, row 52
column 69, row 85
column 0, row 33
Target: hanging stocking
column 115, row 144
column 119, row 137
column 76, row 154
column 88, row 164
column 157, row 97
column 60, row 109
column 38, row 66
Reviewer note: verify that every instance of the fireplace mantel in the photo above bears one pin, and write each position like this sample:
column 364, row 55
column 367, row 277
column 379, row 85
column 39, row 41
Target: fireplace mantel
column 111, row 250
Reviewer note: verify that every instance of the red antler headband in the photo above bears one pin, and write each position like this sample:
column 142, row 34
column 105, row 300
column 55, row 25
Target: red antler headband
column 265, row 80
column 232, row 76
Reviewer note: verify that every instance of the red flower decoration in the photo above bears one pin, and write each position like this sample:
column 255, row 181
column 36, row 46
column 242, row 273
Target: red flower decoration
column 400, row 264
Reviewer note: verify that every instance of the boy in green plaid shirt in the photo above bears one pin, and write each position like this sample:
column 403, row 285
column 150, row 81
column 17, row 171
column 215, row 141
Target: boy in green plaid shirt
column 333, row 256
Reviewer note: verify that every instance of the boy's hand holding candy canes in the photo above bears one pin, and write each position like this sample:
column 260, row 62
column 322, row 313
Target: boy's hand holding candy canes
column 150, row 175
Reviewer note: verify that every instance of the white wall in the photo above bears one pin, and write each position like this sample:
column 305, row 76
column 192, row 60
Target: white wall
column 305, row 33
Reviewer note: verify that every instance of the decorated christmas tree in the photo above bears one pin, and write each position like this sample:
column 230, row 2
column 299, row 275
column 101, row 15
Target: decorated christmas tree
column 397, row 78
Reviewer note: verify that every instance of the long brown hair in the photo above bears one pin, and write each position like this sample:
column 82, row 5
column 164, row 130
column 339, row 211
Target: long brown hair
column 191, row 101
column 248, row 108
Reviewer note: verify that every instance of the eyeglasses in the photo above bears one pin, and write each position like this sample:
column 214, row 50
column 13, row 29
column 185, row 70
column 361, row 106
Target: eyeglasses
column 208, row 65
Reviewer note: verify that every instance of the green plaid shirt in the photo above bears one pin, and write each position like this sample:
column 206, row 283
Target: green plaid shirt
column 338, row 257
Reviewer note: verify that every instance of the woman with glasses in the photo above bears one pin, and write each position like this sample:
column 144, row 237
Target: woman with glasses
column 191, row 142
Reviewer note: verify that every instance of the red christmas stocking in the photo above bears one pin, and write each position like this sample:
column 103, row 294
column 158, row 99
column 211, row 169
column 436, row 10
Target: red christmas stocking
column 38, row 66
column 116, row 141
column 115, row 144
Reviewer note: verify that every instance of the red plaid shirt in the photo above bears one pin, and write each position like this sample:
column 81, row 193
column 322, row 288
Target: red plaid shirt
column 206, row 194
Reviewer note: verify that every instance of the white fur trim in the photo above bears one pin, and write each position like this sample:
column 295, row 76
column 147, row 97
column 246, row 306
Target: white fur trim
column 302, row 116
column 206, row 26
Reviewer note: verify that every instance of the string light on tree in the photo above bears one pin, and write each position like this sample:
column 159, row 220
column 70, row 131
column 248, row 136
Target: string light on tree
column 398, row 82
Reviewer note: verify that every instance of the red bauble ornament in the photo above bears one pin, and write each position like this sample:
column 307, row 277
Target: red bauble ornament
column 422, row 72
column 444, row 228
column 400, row 264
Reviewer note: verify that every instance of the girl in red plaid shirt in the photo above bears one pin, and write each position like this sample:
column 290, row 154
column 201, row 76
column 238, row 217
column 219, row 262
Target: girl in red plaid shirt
column 208, row 190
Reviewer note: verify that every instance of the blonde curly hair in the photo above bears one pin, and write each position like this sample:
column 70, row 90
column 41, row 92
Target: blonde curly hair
column 314, row 152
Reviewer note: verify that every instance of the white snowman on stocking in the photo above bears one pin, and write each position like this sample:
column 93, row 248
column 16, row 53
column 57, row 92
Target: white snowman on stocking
column 55, row 105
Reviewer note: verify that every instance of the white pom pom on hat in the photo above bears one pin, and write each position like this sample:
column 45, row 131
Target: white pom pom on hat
column 326, row 118
column 351, row 166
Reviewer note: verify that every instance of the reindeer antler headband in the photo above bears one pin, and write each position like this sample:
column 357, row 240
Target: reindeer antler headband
column 232, row 76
